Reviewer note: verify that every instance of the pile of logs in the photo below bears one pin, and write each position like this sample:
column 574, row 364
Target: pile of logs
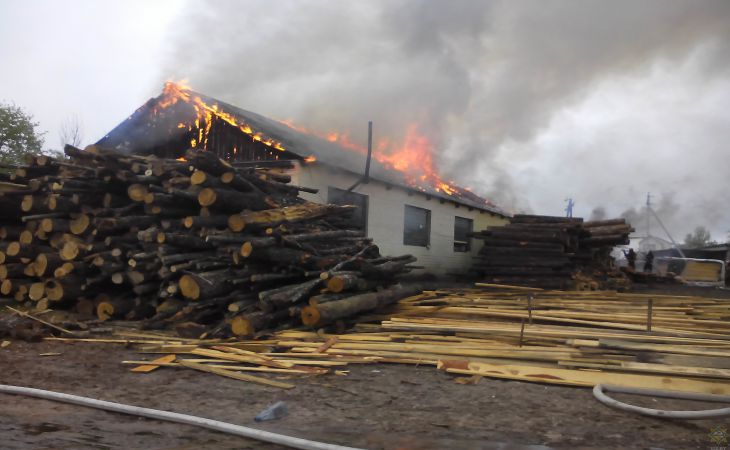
column 193, row 243
column 552, row 252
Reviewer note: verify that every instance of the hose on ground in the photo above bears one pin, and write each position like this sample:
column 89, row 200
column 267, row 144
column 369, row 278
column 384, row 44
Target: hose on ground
column 599, row 391
column 168, row 416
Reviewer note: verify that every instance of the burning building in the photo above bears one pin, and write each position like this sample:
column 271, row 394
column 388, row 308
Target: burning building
column 403, row 204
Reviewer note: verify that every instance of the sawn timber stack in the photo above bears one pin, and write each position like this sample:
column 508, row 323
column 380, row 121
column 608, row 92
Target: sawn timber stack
column 552, row 252
column 195, row 242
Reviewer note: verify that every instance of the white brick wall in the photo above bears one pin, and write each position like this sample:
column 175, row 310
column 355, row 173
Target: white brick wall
column 386, row 206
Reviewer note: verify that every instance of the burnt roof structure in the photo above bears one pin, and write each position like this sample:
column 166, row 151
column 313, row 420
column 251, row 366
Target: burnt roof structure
column 180, row 118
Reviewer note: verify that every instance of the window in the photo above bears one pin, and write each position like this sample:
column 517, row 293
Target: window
column 359, row 217
column 417, row 226
column 462, row 231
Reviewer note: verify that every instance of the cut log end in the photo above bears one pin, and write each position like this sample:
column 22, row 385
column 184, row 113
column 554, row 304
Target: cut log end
column 246, row 249
column 236, row 223
column 6, row 287
column 69, row 251
column 27, row 204
column 336, row 284
column 47, row 225
column 198, row 177
column 241, row 326
column 104, row 311
column 228, row 177
column 207, row 197
column 80, row 224
column 189, row 287
column 37, row 291
column 26, row 237
column 54, row 290
column 42, row 304
column 137, row 192
column 310, row 315
column 13, row 248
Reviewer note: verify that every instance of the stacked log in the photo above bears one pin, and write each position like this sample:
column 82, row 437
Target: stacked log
column 195, row 243
column 551, row 252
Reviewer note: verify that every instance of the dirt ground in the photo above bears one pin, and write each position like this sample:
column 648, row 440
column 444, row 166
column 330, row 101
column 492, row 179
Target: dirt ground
column 375, row 406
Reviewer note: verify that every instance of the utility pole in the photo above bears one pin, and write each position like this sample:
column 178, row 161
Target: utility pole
column 648, row 216
column 569, row 208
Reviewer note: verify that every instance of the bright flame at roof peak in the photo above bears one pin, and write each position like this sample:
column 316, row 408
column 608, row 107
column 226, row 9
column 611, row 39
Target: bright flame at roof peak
column 179, row 91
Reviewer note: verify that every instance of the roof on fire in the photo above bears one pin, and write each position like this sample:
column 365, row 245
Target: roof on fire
column 303, row 145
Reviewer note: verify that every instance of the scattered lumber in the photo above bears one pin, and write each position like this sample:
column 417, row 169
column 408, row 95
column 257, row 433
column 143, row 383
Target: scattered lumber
column 194, row 244
column 552, row 252
column 575, row 338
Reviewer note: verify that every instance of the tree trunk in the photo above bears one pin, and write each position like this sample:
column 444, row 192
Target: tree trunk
column 325, row 313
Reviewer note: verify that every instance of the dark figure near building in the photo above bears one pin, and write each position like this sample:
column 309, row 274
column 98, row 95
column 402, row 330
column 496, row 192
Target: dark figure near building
column 649, row 262
column 631, row 258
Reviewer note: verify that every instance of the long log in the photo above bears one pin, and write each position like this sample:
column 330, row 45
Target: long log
column 325, row 313
column 203, row 286
column 227, row 200
column 285, row 296
column 288, row 214
column 196, row 222
column 247, row 325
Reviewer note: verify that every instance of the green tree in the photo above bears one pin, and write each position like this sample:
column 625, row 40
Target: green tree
column 18, row 134
column 699, row 238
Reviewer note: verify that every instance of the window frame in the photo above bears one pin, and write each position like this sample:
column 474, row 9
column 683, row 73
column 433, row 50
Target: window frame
column 407, row 239
column 463, row 246
column 365, row 207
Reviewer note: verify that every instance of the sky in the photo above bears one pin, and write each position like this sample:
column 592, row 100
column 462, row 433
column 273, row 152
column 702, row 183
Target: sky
column 526, row 102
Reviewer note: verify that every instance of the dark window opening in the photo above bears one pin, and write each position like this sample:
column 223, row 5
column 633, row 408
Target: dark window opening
column 462, row 234
column 359, row 218
column 417, row 226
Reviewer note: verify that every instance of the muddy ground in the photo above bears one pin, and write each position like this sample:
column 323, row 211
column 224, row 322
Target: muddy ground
column 375, row 406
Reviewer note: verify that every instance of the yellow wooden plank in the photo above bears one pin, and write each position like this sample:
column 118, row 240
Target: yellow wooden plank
column 153, row 365
column 585, row 378
column 236, row 375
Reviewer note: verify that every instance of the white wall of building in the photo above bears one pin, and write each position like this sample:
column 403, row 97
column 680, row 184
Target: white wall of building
column 386, row 211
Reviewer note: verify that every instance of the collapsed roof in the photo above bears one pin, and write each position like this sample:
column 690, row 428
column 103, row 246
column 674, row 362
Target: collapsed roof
column 180, row 118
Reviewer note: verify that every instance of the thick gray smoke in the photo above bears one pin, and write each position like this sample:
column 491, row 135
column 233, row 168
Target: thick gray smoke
column 598, row 213
column 497, row 86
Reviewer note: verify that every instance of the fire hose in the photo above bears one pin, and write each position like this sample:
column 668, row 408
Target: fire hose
column 599, row 391
column 168, row 416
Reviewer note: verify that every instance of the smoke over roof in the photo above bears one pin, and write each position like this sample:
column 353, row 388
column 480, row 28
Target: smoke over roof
column 601, row 101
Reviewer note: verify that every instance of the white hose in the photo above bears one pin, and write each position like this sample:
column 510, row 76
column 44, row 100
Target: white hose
column 168, row 416
column 598, row 392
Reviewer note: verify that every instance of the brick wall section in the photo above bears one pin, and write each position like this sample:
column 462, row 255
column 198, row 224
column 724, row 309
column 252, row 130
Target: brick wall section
column 386, row 216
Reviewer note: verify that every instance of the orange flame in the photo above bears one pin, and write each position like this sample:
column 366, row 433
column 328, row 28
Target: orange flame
column 310, row 159
column 412, row 156
column 175, row 92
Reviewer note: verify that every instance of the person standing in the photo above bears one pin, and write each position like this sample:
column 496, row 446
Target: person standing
column 631, row 258
column 649, row 262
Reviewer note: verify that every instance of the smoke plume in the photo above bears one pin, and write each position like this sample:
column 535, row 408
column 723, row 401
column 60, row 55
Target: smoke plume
column 527, row 104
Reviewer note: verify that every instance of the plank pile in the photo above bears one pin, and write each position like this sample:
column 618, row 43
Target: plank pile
column 195, row 243
column 552, row 252
column 555, row 337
